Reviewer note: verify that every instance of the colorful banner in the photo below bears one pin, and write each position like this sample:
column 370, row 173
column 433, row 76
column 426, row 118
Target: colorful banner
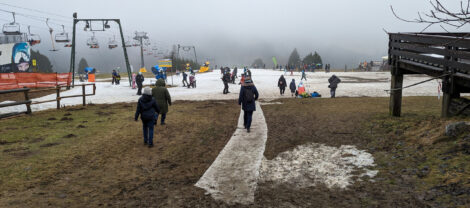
column 275, row 61
column 15, row 57
column 165, row 63
column 34, row 80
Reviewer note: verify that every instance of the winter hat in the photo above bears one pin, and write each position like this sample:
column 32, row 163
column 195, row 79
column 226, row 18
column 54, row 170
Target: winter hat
column 140, row 73
column 248, row 79
column 147, row 91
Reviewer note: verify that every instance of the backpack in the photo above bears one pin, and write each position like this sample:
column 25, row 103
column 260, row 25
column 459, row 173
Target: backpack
column 249, row 95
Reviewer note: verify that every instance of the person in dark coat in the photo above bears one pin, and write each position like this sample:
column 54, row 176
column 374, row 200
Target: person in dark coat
column 292, row 87
column 185, row 79
column 334, row 81
column 162, row 96
column 282, row 84
column 147, row 108
column 248, row 96
column 139, row 80
column 226, row 80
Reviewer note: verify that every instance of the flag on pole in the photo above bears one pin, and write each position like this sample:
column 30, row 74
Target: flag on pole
column 274, row 61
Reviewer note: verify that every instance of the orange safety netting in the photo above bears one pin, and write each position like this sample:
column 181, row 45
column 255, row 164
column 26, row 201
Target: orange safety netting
column 33, row 80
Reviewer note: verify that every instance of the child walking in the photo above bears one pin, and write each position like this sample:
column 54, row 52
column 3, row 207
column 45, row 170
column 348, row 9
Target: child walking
column 147, row 108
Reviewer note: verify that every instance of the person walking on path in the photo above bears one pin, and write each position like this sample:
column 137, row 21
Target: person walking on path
column 226, row 80
column 185, row 79
column 304, row 76
column 292, row 87
column 162, row 96
column 334, row 81
column 139, row 80
column 147, row 108
column 248, row 96
column 282, row 84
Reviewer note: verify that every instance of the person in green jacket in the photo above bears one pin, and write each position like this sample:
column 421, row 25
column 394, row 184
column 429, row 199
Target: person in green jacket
column 162, row 96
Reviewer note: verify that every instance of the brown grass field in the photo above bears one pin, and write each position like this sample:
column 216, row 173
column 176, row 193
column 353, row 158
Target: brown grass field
column 94, row 156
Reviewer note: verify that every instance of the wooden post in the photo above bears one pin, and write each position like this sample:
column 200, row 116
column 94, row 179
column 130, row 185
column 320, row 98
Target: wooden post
column 396, row 95
column 58, row 96
column 83, row 93
column 28, row 105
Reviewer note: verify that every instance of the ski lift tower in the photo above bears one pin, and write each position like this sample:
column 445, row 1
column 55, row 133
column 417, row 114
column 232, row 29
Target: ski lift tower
column 105, row 25
column 141, row 36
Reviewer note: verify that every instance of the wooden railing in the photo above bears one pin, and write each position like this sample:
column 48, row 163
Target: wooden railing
column 445, row 53
column 28, row 102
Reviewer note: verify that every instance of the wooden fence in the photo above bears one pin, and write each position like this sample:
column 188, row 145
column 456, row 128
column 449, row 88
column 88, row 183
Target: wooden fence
column 28, row 102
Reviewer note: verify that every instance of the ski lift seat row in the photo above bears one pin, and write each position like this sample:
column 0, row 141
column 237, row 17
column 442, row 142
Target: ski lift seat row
column 33, row 39
column 12, row 28
column 62, row 37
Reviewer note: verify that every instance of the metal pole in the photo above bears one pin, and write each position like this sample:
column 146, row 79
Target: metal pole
column 128, row 66
column 142, row 64
column 72, row 56
column 194, row 48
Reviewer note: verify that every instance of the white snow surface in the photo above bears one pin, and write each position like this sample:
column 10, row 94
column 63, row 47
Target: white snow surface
column 311, row 164
column 210, row 86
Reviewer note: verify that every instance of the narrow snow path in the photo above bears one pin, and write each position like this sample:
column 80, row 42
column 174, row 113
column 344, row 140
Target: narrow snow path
column 233, row 177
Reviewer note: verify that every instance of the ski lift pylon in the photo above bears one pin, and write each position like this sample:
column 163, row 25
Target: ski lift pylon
column 12, row 28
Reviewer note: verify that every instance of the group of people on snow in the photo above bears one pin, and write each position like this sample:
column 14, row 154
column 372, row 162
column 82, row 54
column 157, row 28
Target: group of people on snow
column 282, row 84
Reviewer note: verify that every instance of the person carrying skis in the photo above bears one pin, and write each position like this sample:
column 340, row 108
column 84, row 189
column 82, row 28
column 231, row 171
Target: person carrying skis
column 248, row 96
column 139, row 80
column 282, row 84
column 147, row 108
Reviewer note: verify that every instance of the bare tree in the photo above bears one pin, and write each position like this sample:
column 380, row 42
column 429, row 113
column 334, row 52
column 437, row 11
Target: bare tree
column 442, row 16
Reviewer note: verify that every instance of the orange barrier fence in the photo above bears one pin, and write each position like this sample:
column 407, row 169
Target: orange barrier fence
column 34, row 80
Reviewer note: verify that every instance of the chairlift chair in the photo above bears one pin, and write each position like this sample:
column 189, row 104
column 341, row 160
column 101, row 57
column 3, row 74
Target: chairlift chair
column 33, row 39
column 12, row 28
column 136, row 43
column 62, row 37
column 112, row 43
column 92, row 42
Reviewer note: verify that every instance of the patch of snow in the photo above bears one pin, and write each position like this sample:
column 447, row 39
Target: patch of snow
column 311, row 164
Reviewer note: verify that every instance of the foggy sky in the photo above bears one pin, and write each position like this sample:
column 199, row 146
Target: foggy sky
column 235, row 32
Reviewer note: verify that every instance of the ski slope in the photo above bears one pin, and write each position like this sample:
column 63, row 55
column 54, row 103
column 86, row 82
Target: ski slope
column 210, row 86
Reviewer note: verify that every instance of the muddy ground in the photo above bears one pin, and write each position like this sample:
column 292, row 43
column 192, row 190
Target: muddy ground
column 94, row 156
column 418, row 166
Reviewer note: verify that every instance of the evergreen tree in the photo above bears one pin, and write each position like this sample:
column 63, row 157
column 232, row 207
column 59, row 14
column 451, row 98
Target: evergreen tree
column 294, row 58
column 82, row 65
column 317, row 58
column 43, row 63
column 257, row 63
column 309, row 59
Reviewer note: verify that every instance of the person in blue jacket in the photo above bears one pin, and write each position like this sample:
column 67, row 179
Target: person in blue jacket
column 147, row 108
column 248, row 96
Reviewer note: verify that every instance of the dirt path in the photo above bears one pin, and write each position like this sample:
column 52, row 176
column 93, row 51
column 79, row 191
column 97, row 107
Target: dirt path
column 233, row 176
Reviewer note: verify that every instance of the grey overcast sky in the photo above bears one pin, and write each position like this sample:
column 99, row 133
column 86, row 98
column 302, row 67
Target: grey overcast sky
column 235, row 32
